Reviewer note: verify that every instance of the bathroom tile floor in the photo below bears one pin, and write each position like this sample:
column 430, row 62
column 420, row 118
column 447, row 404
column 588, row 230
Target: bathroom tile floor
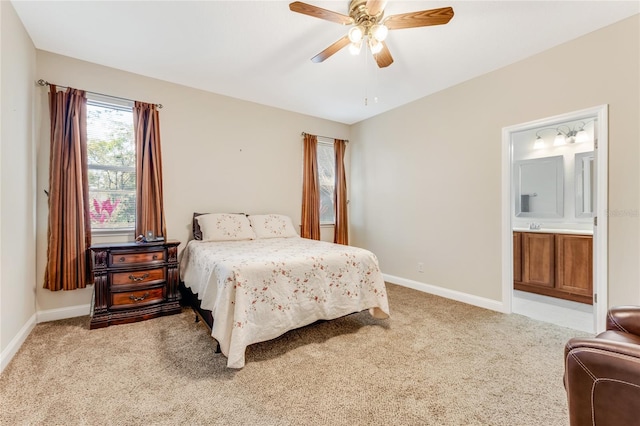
column 565, row 313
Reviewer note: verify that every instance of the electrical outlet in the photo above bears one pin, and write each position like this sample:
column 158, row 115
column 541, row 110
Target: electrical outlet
column 420, row 267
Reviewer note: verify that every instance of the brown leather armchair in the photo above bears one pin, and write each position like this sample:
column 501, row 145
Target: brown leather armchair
column 602, row 374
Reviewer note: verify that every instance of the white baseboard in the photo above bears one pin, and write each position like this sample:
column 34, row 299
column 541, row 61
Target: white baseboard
column 470, row 299
column 14, row 345
column 63, row 313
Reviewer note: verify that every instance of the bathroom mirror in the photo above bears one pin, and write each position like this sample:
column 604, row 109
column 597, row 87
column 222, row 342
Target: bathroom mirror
column 584, row 184
column 539, row 187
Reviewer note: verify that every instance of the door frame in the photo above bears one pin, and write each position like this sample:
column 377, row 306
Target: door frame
column 600, row 228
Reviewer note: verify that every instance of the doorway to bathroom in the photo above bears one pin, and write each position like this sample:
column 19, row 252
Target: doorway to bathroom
column 554, row 222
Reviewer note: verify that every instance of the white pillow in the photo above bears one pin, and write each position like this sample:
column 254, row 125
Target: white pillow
column 272, row 226
column 225, row 227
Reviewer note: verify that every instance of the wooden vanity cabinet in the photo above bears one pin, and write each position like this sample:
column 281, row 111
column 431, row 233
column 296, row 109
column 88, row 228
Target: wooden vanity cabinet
column 538, row 259
column 574, row 266
column 517, row 256
column 556, row 265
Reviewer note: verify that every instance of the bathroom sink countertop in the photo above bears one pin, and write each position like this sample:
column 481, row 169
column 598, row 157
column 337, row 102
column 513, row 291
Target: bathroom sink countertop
column 556, row 231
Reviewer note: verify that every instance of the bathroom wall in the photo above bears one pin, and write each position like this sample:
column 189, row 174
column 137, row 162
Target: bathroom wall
column 523, row 149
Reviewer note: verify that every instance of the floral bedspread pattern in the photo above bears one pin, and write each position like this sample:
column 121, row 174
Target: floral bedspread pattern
column 259, row 289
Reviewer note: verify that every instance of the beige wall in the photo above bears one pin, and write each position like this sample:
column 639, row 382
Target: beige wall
column 17, row 221
column 220, row 154
column 426, row 177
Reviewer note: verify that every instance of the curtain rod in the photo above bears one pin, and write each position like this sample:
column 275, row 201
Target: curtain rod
column 318, row 136
column 43, row 83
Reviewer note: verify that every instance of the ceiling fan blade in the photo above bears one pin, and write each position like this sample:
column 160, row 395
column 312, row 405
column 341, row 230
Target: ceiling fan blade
column 422, row 18
column 383, row 57
column 375, row 6
column 331, row 49
column 318, row 12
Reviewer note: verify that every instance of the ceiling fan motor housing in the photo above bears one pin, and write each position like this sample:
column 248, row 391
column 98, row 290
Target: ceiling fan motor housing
column 361, row 17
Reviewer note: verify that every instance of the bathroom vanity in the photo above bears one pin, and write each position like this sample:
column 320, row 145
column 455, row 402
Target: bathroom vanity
column 556, row 263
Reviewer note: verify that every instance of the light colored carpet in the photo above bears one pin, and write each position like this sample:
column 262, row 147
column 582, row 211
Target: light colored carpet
column 435, row 362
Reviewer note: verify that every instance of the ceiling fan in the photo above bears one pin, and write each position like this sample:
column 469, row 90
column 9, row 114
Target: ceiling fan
column 370, row 25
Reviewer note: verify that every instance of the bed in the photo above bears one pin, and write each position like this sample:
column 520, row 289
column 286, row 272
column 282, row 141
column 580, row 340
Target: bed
column 257, row 279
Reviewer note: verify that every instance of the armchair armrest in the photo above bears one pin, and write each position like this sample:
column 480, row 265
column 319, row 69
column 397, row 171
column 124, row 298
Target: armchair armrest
column 624, row 318
column 602, row 379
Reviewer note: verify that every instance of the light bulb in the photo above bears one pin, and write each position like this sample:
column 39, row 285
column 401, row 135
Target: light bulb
column 379, row 32
column 539, row 143
column 582, row 136
column 559, row 140
column 354, row 48
column 356, row 34
column 375, row 45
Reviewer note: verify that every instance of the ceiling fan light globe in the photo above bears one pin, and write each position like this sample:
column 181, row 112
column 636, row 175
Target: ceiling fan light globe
column 375, row 45
column 354, row 48
column 379, row 32
column 356, row 34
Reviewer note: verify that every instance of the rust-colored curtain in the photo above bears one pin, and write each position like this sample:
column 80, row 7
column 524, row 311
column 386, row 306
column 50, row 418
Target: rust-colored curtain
column 341, row 231
column 69, row 233
column 149, row 202
column 310, row 190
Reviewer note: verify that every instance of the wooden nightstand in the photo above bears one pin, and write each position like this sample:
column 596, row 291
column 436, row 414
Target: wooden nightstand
column 134, row 282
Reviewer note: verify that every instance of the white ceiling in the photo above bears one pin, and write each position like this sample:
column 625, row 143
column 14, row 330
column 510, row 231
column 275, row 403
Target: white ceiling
column 260, row 51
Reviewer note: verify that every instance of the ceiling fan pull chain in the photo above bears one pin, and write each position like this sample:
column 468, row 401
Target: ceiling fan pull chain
column 366, row 80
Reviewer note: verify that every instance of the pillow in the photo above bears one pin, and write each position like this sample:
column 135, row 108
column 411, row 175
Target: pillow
column 272, row 226
column 225, row 227
column 197, row 232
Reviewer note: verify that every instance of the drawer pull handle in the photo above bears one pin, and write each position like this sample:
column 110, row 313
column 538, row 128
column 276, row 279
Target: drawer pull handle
column 136, row 279
column 122, row 259
column 139, row 299
column 155, row 257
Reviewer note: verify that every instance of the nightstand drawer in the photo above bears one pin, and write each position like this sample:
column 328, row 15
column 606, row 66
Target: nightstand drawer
column 143, row 277
column 123, row 259
column 140, row 297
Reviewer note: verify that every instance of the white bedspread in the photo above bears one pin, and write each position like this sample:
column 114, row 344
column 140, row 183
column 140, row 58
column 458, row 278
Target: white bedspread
column 259, row 289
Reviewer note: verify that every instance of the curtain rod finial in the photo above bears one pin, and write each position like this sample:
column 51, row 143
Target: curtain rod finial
column 42, row 82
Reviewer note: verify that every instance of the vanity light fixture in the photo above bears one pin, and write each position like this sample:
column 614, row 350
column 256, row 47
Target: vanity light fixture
column 564, row 135
column 582, row 136
column 560, row 139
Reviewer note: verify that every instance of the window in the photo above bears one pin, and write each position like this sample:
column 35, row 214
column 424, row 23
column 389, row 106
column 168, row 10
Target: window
column 326, row 180
column 111, row 163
